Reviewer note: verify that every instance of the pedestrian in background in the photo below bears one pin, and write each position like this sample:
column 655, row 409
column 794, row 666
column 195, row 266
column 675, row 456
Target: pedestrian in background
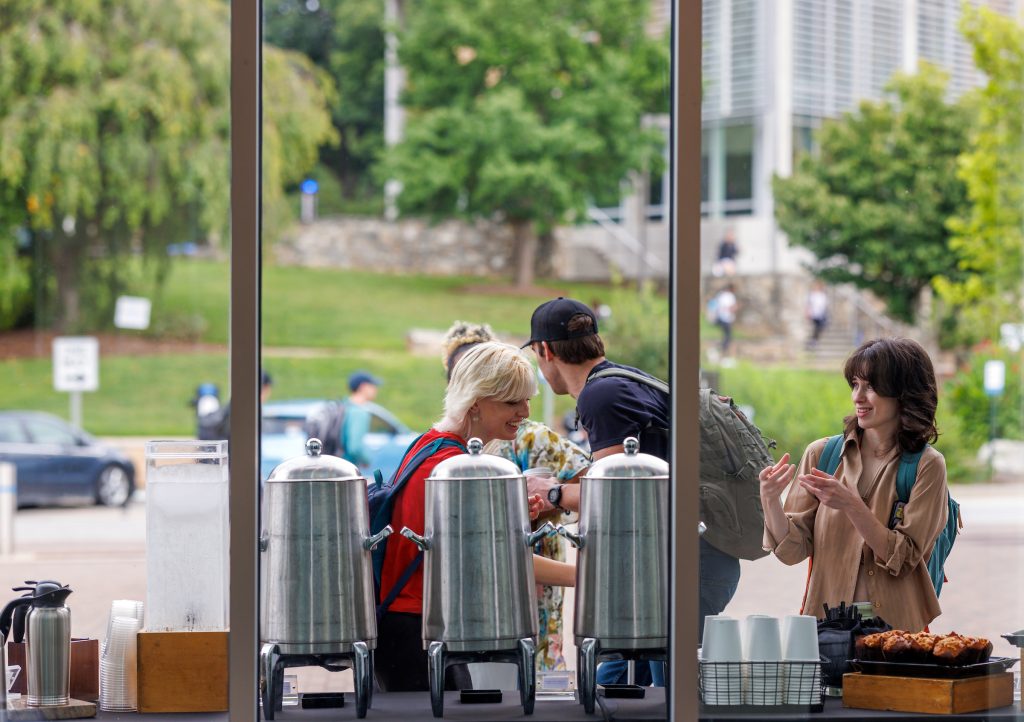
column 725, row 263
column 816, row 311
column 726, row 305
column 362, row 387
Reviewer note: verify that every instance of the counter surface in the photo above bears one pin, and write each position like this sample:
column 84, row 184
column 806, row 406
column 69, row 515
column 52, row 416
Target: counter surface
column 408, row 706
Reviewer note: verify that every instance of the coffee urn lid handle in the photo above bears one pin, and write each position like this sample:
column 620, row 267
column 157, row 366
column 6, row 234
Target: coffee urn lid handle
column 475, row 446
column 631, row 446
column 314, row 447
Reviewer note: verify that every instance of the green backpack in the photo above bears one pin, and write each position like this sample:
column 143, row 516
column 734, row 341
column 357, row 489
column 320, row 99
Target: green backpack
column 732, row 454
column 906, row 475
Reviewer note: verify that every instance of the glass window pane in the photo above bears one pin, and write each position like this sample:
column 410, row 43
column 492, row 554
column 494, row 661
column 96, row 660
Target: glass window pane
column 467, row 181
column 114, row 199
column 862, row 251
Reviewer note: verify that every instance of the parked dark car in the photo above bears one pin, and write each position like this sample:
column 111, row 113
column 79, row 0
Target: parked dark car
column 58, row 464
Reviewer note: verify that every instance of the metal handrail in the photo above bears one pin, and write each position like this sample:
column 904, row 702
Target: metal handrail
column 622, row 236
column 876, row 320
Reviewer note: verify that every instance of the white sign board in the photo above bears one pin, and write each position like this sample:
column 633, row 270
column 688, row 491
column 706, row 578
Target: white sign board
column 1011, row 335
column 132, row 312
column 76, row 363
column 995, row 377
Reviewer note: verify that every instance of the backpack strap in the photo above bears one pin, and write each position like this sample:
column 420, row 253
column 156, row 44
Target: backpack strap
column 831, row 454
column 401, row 477
column 907, row 475
column 828, row 462
column 400, row 583
column 651, row 381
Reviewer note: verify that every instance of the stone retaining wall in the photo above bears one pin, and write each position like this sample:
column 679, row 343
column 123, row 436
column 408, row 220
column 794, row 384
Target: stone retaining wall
column 407, row 246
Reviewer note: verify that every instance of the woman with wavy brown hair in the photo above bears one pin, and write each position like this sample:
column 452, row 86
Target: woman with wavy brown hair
column 865, row 544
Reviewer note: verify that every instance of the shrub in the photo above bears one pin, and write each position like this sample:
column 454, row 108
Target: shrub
column 636, row 333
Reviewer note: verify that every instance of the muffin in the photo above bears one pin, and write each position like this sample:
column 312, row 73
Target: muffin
column 951, row 650
column 979, row 649
column 897, row 648
column 921, row 646
column 869, row 647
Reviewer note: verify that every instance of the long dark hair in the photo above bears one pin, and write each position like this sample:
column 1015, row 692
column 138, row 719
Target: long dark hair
column 901, row 369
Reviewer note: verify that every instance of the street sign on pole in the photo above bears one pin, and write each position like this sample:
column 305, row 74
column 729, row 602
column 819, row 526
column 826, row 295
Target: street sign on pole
column 76, row 368
column 307, row 203
column 995, row 377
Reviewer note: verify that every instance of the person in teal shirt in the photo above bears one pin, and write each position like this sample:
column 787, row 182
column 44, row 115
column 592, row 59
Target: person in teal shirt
column 363, row 389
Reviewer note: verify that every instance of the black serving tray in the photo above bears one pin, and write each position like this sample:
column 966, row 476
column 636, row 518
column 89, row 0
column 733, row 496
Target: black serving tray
column 995, row 665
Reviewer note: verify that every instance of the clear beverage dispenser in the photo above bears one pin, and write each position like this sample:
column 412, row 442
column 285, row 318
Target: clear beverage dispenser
column 187, row 536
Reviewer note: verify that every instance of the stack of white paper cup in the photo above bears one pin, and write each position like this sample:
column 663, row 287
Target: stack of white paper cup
column 721, row 657
column 765, row 684
column 800, row 651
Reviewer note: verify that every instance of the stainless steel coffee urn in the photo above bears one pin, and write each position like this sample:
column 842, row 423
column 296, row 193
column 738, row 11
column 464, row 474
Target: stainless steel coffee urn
column 622, row 569
column 316, row 576
column 479, row 596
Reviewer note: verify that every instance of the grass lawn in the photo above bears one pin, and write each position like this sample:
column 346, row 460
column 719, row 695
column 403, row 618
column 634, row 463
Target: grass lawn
column 349, row 310
column 357, row 320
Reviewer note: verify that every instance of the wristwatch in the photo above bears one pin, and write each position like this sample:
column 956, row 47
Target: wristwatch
column 555, row 496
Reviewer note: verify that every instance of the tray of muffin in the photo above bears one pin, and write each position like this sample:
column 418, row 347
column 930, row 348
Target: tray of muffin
column 938, row 656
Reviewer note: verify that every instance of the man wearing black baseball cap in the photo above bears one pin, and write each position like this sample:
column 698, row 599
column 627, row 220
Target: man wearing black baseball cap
column 613, row 402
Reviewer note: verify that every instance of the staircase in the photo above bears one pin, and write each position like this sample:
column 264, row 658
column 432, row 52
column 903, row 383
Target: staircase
column 852, row 320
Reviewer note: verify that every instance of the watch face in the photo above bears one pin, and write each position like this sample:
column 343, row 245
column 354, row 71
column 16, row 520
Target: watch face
column 555, row 494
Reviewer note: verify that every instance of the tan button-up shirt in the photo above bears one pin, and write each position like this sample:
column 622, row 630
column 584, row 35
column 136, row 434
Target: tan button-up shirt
column 843, row 566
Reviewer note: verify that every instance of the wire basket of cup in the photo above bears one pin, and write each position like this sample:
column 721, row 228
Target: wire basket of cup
column 761, row 665
column 119, row 657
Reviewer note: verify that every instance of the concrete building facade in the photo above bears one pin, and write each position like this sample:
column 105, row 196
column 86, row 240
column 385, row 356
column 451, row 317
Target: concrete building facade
column 773, row 71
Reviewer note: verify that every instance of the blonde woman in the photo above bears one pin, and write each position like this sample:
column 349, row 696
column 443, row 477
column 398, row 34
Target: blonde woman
column 488, row 398
column 534, row 446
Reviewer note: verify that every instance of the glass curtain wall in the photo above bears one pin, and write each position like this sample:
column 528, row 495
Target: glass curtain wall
column 114, row 288
column 431, row 173
column 811, row 280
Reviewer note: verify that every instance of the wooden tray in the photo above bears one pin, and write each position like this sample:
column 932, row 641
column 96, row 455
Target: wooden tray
column 928, row 696
column 19, row 711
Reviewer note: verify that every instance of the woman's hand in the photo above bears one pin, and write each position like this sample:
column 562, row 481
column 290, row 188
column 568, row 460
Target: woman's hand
column 774, row 479
column 536, row 505
column 830, row 491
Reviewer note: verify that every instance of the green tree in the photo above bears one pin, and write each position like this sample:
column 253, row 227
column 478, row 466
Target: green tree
column 346, row 39
column 987, row 235
column 521, row 112
column 114, row 136
column 872, row 205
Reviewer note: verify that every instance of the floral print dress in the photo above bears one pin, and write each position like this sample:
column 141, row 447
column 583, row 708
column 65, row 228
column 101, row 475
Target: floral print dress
column 536, row 445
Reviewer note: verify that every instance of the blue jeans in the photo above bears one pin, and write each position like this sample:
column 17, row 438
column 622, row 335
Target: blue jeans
column 719, row 577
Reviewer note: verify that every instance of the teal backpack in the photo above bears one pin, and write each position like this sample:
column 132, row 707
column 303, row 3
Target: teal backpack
column 905, row 478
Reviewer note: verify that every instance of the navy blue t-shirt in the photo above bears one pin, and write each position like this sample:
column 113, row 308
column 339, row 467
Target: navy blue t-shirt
column 613, row 408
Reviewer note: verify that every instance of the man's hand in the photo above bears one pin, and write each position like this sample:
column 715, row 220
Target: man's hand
column 538, row 486
column 535, row 505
